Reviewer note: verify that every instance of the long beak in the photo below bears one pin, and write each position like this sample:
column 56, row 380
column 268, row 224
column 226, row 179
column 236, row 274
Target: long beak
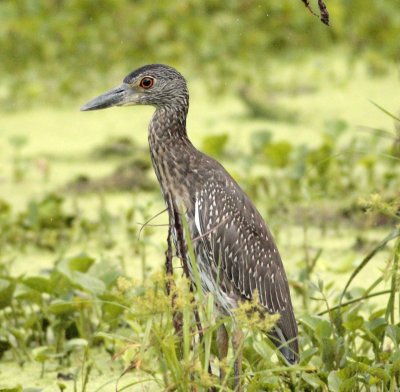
column 115, row 97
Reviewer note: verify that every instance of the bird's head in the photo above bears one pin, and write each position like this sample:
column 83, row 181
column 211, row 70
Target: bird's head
column 156, row 85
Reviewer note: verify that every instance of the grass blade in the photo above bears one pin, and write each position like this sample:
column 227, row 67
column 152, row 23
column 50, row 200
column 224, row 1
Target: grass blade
column 385, row 111
column 394, row 234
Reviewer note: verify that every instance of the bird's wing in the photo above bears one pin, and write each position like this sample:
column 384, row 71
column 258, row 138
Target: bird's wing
column 233, row 236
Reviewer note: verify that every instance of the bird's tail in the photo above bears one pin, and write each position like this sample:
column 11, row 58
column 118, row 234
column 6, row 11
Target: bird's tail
column 288, row 346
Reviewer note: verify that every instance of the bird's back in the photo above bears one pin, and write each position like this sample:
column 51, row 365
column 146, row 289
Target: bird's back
column 235, row 251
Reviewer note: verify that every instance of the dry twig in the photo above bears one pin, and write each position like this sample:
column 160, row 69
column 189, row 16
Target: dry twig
column 324, row 14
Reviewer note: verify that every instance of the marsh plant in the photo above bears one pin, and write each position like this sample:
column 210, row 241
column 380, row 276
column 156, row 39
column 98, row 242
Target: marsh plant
column 83, row 305
column 83, row 299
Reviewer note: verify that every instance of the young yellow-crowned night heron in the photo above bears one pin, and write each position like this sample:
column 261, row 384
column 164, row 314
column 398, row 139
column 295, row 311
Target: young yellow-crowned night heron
column 227, row 231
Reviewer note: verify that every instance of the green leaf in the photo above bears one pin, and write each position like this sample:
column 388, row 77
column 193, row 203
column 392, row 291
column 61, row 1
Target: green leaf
column 80, row 263
column 393, row 332
column 353, row 322
column 75, row 270
column 379, row 374
column 105, row 336
column 26, row 293
column 43, row 353
column 334, row 381
column 329, row 349
column 310, row 321
column 7, row 288
column 16, row 388
column 306, row 355
column 39, row 283
column 59, row 307
column 312, row 379
column 262, row 348
column 377, row 324
column 320, row 326
column 323, row 329
column 76, row 343
column 113, row 305
column 89, row 283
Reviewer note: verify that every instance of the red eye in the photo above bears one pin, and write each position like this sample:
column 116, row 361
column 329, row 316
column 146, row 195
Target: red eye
column 147, row 82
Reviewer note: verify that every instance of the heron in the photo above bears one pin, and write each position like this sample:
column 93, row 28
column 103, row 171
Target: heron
column 236, row 254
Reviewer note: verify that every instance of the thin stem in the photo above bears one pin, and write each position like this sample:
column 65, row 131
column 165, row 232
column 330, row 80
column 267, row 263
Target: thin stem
column 390, row 309
column 358, row 299
column 394, row 234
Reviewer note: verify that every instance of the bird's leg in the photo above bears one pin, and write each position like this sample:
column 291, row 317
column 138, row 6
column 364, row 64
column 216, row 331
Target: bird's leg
column 168, row 262
column 222, row 344
column 237, row 343
column 177, row 316
column 180, row 239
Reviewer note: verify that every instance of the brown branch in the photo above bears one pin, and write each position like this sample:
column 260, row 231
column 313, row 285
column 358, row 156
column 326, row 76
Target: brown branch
column 324, row 14
column 307, row 4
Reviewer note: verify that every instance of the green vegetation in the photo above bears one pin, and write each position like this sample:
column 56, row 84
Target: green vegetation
column 83, row 305
column 45, row 45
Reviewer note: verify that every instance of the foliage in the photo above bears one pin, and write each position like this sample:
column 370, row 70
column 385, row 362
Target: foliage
column 45, row 45
column 339, row 171
column 82, row 307
column 86, row 304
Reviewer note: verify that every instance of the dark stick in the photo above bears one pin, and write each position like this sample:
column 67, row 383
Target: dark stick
column 307, row 4
column 324, row 14
column 180, row 240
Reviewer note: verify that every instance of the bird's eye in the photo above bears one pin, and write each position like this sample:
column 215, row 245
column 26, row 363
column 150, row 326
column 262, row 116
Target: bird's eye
column 147, row 82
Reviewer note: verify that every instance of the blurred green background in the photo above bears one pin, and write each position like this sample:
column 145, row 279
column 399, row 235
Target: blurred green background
column 304, row 116
column 55, row 50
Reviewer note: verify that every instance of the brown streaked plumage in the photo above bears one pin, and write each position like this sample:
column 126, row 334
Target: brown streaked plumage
column 235, row 251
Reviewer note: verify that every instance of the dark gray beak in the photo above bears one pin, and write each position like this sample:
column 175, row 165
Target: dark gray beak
column 116, row 97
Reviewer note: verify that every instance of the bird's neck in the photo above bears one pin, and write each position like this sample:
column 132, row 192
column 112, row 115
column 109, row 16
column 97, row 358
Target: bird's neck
column 171, row 151
column 168, row 124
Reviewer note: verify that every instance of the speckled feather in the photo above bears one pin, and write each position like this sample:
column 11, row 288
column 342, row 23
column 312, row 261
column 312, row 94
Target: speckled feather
column 234, row 246
column 235, row 251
